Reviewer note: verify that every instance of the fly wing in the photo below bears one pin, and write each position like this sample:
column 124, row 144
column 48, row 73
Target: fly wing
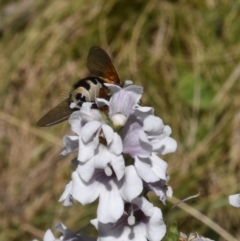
column 58, row 114
column 99, row 64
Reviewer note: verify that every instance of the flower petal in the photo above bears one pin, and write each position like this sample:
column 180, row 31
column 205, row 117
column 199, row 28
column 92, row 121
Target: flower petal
column 145, row 144
column 86, row 169
column 121, row 102
column 116, row 146
column 131, row 140
column 143, row 167
column 143, row 111
column 89, row 130
column 88, row 114
column 101, row 102
column 108, row 133
column 111, row 206
column 48, row 236
column 84, row 192
column 234, row 200
column 75, row 122
column 71, row 143
column 102, row 158
column 110, row 232
column 113, row 88
column 139, row 232
column 164, row 146
column 153, row 125
column 132, row 184
column 87, row 151
column 136, row 92
column 118, row 165
column 67, row 195
column 144, row 205
column 159, row 166
column 156, row 228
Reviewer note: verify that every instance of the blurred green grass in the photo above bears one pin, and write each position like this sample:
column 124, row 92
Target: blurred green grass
column 186, row 55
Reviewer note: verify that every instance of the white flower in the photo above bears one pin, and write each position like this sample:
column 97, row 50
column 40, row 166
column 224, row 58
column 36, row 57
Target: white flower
column 158, row 135
column 67, row 235
column 111, row 192
column 234, row 200
column 100, row 146
column 149, row 166
column 77, row 121
column 123, row 101
column 141, row 221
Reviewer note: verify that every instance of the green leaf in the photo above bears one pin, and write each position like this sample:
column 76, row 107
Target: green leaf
column 172, row 233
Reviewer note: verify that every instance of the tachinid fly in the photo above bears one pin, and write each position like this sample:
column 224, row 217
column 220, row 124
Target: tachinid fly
column 88, row 89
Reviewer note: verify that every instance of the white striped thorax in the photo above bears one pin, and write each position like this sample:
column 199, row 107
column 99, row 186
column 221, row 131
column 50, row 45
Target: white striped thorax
column 86, row 90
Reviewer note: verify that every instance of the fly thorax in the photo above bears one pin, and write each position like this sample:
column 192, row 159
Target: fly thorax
column 80, row 95
column 94, row 89
column 86, row 90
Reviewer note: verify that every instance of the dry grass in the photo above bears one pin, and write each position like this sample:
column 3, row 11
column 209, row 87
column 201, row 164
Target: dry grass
column 186, row 54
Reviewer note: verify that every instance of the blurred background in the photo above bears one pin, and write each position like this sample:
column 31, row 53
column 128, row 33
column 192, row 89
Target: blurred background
column 186, row 55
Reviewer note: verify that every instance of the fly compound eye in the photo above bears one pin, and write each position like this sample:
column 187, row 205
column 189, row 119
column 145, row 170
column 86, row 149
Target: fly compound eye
column 81, row 97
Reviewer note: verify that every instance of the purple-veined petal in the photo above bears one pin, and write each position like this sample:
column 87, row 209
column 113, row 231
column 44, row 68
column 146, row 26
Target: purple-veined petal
column 132, row 184
column 121, row 102
column 131, row 140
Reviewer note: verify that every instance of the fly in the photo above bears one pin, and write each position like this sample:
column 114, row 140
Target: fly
column 88, row 89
